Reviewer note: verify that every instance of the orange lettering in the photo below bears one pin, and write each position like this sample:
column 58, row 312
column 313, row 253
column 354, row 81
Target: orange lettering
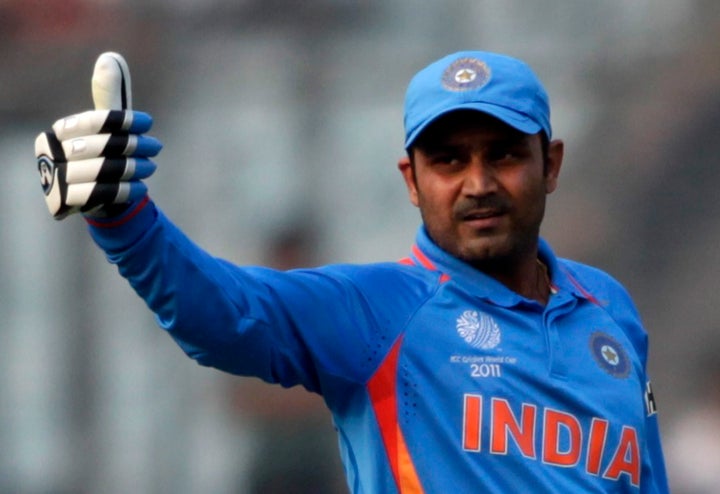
column 626, row 458
column 596, row 445
column 555, row 423
column 505, row 424
column 472, row 422
column 562, row 437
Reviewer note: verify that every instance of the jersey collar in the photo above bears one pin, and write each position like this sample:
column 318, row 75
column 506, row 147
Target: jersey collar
column 429, row 255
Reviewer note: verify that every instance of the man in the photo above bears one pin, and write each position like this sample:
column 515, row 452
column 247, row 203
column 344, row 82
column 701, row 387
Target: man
column 481, row 363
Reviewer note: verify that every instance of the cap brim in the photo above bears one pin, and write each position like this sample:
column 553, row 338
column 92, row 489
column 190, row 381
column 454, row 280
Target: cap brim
column 515, row 119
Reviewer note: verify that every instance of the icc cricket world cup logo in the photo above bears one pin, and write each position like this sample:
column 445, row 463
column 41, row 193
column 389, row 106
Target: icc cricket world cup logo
column 478, row 329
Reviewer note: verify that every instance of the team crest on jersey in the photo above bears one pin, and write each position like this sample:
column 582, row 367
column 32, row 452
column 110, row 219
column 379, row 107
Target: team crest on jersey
column 465, row 74
column 478, row 329
column 610, row 355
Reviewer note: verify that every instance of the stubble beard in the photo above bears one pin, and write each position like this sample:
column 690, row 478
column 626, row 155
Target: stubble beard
column 491, row 252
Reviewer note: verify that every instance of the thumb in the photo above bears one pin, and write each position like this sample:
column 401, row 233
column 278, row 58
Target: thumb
column 111, row 83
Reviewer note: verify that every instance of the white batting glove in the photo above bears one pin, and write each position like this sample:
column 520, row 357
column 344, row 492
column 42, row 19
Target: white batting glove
column 94, row 161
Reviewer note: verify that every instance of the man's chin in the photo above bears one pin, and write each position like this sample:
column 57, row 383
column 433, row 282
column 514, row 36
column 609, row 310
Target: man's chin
column 474, row 248
column 485, row 251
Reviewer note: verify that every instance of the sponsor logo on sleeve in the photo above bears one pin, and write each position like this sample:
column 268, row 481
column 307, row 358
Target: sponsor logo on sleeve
column 650, row 405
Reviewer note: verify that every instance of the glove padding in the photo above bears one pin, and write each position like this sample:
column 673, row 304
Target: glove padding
column 95, row 159
column 93, row 162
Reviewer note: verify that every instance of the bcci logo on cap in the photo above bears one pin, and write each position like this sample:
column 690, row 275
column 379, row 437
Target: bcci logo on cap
column 478, row 329
column 465, row 74
column 46, row 168
column 610, row 355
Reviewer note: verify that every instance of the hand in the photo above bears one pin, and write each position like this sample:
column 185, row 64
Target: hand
column 93, row 162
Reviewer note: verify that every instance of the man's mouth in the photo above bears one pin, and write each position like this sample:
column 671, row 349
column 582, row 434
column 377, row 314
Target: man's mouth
column 482, row 214
column 483, row 219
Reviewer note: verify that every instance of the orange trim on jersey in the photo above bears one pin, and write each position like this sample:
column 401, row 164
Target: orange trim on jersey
column 582, row 290
column 382, row 388
column 407, row 261
column 423, row 259
column 426, row 263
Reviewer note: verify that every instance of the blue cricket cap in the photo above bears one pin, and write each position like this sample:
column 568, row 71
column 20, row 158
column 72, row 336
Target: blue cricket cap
column 498, row 85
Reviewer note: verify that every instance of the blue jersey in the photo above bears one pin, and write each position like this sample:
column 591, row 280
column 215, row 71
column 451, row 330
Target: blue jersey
column 439, row 378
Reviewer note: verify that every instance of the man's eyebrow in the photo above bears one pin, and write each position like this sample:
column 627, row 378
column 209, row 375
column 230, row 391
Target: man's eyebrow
column 436, row 147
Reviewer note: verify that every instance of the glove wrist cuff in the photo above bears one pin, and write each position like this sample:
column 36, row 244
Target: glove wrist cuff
column 119, row 232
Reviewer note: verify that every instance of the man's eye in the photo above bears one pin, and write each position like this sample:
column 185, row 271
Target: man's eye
column 507, row 156
column 504, row 155
column 445, row 159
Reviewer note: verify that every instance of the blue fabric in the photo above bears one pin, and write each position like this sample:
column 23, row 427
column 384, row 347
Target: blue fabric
column 141, row 122
column 496, row 84
column 489, row 391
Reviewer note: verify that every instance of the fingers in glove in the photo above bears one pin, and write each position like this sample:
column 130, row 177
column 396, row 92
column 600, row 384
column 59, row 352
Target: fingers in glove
column 102, row 122
column 110, row 145
column 92, row 194
column 107, row 170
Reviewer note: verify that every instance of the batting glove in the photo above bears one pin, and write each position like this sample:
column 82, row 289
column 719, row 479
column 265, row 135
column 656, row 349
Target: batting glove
column 94, row 162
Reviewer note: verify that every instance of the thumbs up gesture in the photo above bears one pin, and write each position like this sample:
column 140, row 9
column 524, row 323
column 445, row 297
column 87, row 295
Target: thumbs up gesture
column 94, row 162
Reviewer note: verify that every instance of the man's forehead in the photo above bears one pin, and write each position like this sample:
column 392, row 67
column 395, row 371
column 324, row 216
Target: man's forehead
column 454, row 125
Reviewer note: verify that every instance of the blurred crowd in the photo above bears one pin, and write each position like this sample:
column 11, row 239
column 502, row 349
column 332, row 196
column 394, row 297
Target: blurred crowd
column 282, row 124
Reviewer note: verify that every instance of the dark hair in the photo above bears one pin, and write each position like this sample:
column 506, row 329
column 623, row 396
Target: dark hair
column 545, row 147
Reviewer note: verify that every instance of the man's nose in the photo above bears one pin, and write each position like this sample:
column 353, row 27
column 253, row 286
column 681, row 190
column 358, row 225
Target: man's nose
column 479, row 178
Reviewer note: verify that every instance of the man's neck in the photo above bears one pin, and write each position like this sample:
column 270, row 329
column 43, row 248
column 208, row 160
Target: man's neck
column 528, row 277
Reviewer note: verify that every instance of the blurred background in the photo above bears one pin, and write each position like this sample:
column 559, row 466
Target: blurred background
column 282, row 125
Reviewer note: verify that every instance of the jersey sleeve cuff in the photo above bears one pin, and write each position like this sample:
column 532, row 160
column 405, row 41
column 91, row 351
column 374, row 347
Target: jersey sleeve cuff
column 120, row 232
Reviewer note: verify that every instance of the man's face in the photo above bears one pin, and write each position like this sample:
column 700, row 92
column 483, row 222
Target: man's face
column 481, row 186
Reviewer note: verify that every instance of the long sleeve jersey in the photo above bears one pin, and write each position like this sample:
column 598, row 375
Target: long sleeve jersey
column 439, row 378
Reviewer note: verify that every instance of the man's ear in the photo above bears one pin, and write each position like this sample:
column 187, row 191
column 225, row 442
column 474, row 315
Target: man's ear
column 556, row 151
column 408, row 173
